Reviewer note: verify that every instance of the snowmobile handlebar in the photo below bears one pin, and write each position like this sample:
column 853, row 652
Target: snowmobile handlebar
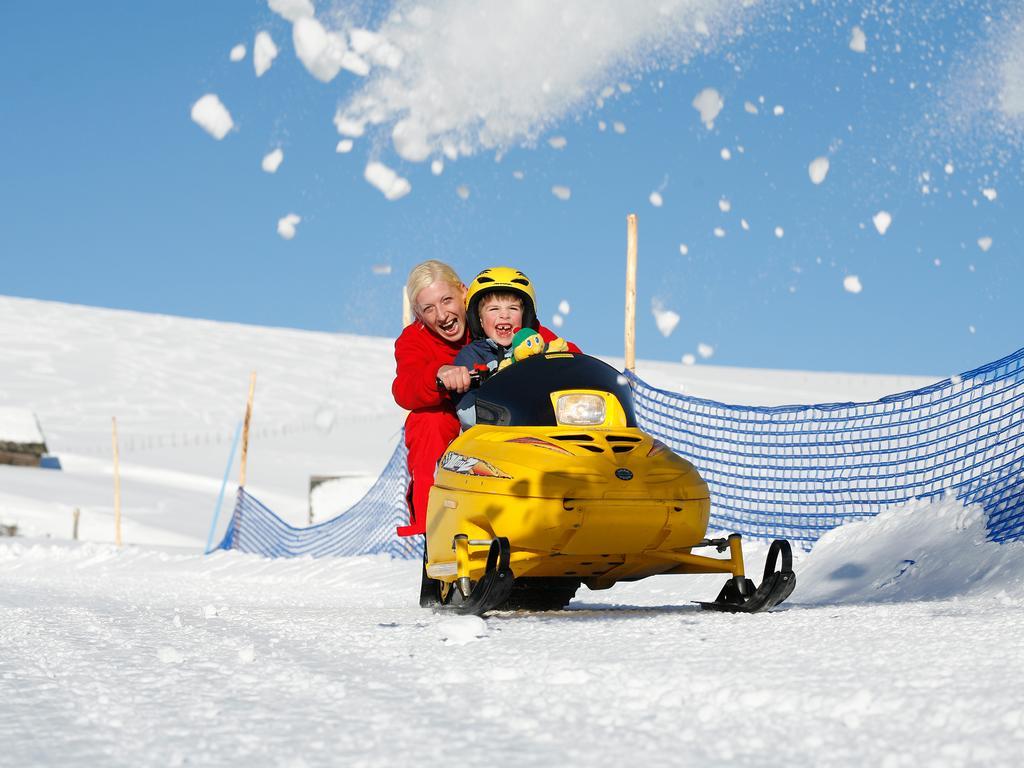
column 477, row 376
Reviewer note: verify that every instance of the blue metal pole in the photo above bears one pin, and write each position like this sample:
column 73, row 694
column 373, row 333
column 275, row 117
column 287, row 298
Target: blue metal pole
column 223, row 485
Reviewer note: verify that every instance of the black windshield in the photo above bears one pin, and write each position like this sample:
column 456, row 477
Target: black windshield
column 520, row 395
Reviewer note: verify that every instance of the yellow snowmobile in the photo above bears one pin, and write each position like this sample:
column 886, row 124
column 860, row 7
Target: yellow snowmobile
column 556, row 486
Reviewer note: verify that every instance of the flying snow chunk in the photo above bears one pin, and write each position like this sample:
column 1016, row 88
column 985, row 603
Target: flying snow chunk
column 263, row 53
column 705, row 350
column 169, row 655
column 291, row 10
column 363, row 41
column 557, row 321
column 462, row 191
column 619, row 127
column 852, row 284
column 719, row 232
column 990, row 194
column 410, row 141
column 818, row 169
column 708, row 103
column 367, row 43
column 985, row 243
column 665, row 319
column 656, row 200
column 518, row 175
column 391, row 185
column 237, row 53
column 344, row 146
column 381, row 269
column 437, row 166
column 778, row 110
column 321, row 52
column 779, row 232
column 286, row 225
column 684, row 249
column 354, row 63
column 858, row 40
column 745, row 224
column 562, row 193
column 689, row 359
column 272, row 160
column 948, row 168
column 558, row 142
column 563, row 307
column 750, row 107
column 724, row 205
column 347, row 127
column 212, row 116
column 725, row 153
column 460, row 630
column 882, row 220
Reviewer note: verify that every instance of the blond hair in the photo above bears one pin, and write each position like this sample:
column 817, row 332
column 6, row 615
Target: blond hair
column 427, row 273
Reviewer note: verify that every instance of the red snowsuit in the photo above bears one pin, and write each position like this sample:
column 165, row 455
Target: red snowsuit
column 432, row 423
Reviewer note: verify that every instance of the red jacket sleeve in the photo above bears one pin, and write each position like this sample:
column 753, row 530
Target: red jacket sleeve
column 549, row 335
column 415, row 384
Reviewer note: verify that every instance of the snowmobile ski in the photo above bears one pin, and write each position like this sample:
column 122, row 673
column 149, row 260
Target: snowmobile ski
column 739, row 594
column 493, row 588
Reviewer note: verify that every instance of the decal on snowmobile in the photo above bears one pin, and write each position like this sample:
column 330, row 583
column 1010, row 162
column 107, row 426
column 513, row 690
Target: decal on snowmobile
column 467, row 465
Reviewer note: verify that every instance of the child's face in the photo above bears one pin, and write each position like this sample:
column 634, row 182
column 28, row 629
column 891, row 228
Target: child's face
column 501, row 318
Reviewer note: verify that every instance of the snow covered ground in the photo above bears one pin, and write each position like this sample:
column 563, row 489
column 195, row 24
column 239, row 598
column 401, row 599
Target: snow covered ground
column 902, row 645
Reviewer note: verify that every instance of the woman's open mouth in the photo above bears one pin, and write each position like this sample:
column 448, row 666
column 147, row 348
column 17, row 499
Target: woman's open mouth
column 449, row 325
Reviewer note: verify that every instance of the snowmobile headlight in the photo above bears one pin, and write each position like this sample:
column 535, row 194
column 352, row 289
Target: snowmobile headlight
column 580, row 410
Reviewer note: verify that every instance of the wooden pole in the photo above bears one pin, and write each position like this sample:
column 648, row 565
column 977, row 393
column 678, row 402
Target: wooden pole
column 245, row 428
column 117, row 485
column 406, row 309
column 74, row 523
column 631, row 243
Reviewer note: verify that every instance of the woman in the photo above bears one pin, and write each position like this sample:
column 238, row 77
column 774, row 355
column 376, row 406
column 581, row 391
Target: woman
column 423, row 354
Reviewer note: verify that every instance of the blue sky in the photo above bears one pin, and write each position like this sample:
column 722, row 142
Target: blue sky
column 114, row 197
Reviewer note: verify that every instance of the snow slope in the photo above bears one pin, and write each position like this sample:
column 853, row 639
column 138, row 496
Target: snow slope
column 147, row 657
column 177, row 387
column 901, row 646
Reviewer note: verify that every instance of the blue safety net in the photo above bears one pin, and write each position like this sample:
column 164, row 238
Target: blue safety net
column 367, row 528
column 796, row 472
column 790, row 472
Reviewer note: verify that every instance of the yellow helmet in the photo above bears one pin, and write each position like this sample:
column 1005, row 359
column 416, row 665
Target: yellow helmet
column 500, row 279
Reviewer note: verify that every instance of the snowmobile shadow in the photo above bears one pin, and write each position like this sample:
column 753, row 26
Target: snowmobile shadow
column 583, row 612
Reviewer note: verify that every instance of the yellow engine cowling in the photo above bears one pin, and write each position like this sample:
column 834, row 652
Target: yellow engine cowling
column 602, row 505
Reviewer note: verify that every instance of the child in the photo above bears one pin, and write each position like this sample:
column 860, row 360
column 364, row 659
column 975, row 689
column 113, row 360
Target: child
column 499, row 302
